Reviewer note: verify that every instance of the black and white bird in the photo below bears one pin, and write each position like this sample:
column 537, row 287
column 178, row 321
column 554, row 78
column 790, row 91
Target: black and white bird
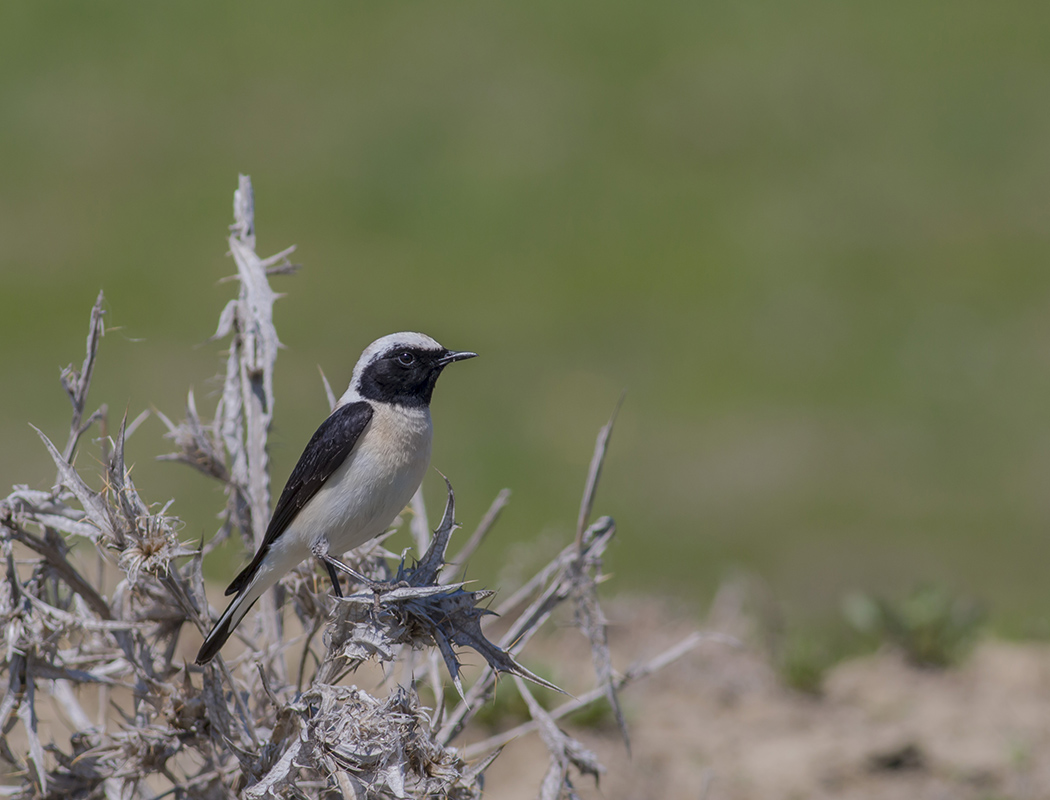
column 359, row 470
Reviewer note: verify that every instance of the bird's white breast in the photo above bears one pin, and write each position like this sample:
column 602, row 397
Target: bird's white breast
column 377, row 480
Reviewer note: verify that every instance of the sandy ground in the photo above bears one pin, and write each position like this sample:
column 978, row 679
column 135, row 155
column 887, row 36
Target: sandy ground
column 719, row 725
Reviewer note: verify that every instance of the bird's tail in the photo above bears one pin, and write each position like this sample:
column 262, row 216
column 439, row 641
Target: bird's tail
column 230, row 618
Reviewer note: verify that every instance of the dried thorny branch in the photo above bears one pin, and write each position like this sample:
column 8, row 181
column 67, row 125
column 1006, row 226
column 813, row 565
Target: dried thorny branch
column 76, row 383
column 101, row 647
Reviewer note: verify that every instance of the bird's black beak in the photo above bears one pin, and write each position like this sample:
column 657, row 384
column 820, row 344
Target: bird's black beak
column 455, row 355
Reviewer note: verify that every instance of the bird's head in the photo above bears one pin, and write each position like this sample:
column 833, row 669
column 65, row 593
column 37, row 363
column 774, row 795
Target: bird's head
column 402, row 368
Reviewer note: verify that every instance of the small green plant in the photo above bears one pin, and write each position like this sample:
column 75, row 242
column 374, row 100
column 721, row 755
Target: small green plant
column 595, row 716
column 932, row 626
column 804, row 661
column 508, row 708
column 805, row 655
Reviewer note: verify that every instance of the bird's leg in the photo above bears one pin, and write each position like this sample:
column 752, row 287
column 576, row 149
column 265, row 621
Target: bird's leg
column 320, row 549
column 333, row 564
column 334, row 576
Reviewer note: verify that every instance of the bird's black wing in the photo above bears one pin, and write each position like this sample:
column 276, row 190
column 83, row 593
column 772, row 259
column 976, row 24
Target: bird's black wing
column 328, row 448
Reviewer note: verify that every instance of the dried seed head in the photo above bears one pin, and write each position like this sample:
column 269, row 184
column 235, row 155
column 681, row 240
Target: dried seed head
column 151, row 548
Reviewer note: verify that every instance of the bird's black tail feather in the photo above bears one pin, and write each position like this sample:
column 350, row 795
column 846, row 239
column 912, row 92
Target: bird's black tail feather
column 234, row 613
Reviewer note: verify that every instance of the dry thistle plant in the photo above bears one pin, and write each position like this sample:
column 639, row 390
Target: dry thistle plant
column 101, row 653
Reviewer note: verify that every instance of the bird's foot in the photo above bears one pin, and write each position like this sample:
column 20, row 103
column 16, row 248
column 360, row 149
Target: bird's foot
column 334, row 564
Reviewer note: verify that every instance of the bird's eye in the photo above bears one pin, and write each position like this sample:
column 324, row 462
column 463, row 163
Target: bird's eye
column 406, row 359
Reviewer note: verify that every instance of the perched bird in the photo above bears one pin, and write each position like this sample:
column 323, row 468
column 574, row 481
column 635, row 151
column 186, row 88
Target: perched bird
column 360, row 468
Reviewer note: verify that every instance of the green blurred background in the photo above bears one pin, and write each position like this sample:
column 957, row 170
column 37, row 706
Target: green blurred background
column 810, row 239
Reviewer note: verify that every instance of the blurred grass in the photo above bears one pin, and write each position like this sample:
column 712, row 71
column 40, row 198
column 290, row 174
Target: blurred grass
column 810, row 239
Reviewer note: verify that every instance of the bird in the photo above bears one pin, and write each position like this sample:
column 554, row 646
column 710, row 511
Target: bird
column 358, row 471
